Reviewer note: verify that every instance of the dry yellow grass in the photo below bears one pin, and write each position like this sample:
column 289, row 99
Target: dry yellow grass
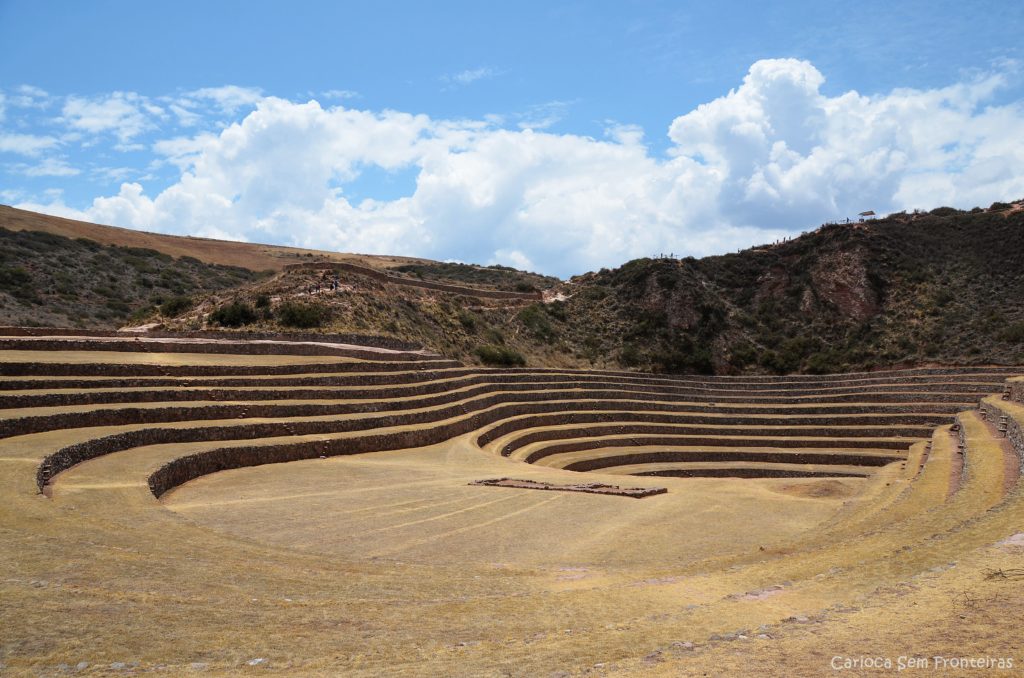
column 253, row 256
column 417, row 506
column 391, row 564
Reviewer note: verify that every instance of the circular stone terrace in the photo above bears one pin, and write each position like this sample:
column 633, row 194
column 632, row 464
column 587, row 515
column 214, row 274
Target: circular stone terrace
column 315, row 502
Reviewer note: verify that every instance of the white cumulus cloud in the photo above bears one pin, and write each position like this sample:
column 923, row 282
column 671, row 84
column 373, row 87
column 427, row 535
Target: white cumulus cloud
column 49, row 167
column 25, row 144
column 125, row 114
column 229, row 98
column 771, row 157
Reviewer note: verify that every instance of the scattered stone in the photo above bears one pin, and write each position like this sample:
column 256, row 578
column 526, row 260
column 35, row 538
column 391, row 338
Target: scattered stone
column 683, row 645
column 258, row 661
column 593, row 488
column 1013, row 540
column 81, row 666
column 654, row 657
column 763, row 636
column 40, row 583
column 63, row 667
column 199, row 666
column 118, row 666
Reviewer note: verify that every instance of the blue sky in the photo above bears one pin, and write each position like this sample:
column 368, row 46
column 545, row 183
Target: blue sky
column 558, row 136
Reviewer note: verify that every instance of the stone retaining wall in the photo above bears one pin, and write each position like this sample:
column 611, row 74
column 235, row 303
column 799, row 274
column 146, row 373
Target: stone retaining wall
column 1014, row 427
column 488, row 410
column 724, row 456
column 711, row 439
column 423, row 381
column 639, row 409
column 748, row 473
column 179, row 374
column 376, row 341
column 998, row 374
column 129, row 345
column 419, row 384
column 907, row 429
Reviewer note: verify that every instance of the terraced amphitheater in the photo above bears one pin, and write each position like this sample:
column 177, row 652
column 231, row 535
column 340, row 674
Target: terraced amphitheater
column 218, row 503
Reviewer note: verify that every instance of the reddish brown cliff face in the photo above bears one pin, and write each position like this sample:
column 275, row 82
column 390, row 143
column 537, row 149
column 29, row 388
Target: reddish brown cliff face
column 841, row 279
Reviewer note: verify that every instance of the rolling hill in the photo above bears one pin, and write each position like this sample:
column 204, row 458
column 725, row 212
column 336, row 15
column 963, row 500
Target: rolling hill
column 908, row 289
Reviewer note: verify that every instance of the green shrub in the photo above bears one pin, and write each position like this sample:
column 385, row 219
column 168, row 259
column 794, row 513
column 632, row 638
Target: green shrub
column 106, row 291
column 494, row 336
column 235, row 314
column 501, row 356
column 1013, row 334
column 825, row 362
column 118, row 306
column 467, row 320
column 556, row 309
column 629, row 356
column 593, row 293
column 538, row 323
column 176, row 306
column 943, row 297
column 140, row 314
column 783, row 362
column 14, row 277
column 301, row 315
column 742, row 355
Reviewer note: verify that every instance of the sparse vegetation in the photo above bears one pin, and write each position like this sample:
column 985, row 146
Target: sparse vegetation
column 48, row 279
column 499, row 277
column 909, row 288
column 233, row 314
column 176, row 305
column 535, row 319
column 301, row 315
column 501, row 356
column 467, row 320
column 1013, row 333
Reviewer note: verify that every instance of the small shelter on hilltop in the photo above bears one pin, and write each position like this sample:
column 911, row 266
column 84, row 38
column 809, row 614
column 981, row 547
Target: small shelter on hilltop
column 870, row 214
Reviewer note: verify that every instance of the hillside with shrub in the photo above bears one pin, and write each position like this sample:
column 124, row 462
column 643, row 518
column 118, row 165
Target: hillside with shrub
column 52, row 280
column 932, row 287
column 943, row 286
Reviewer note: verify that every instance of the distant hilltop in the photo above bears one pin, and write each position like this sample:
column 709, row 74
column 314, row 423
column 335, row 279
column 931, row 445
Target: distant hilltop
column 918, row 288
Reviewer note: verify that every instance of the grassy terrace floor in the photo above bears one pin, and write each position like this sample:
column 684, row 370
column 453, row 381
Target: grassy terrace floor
column 388, row 561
